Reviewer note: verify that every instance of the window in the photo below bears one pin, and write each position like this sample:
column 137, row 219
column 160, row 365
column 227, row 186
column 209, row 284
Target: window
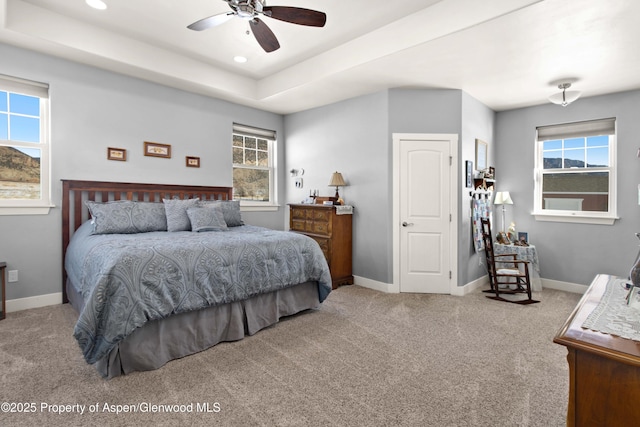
column 24, row 147
column 253, row 166
column 576, row 172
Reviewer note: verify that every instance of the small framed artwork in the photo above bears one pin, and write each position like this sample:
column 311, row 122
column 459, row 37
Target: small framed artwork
column 193, row 162
column 523, row 237
column 469, row 172
column 117, row 154
column 154, row 149
column 481, row 155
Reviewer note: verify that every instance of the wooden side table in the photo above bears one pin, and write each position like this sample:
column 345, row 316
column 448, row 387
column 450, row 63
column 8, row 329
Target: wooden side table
column 3, row 266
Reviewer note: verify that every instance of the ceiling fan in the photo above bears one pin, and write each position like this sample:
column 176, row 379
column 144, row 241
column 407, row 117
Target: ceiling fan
column 250, row 9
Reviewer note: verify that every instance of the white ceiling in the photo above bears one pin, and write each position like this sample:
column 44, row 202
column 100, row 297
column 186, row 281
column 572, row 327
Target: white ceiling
column 505, row 53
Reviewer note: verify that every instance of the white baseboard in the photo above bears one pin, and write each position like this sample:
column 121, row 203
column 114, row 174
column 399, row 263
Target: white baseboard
column 388, row 288
column 33, row 302
column 575, row 288
column 481, row 282
column 471, row 286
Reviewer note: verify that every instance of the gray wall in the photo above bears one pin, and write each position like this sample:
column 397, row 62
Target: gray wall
column 573, row 253
column 478, row 122
column 93, row 109
column 351, row 137
column 358, row 133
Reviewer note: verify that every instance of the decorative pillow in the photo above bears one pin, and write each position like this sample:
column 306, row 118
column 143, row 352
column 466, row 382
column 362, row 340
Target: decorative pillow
column 207, row 219
column 126, row 217
column 149, row 216
column 230, row 210
column 176, row 210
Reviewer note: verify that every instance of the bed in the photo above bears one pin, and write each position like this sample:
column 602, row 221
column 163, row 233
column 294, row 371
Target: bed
column 148, row 291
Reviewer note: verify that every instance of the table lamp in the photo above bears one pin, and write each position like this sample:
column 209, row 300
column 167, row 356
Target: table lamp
column 503, row 198
column 337, row 181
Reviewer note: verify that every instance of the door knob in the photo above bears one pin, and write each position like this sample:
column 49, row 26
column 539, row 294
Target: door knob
column 406, row 224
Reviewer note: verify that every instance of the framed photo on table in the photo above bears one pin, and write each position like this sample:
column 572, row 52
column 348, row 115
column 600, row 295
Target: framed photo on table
column 523, row 237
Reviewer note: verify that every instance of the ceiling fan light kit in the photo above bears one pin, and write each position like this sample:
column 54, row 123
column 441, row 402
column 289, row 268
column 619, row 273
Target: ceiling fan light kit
column 564, row 98
column 250, row 9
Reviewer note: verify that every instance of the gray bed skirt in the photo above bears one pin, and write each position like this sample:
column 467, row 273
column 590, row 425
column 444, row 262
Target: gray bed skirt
column 160, row 341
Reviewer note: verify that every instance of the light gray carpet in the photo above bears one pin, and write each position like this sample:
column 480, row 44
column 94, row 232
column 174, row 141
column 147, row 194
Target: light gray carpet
column 364, row 359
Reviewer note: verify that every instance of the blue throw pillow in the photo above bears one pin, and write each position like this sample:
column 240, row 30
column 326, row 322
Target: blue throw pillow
column 176, row 210
column 207, row 219
column 126, row 217
column 230, row 210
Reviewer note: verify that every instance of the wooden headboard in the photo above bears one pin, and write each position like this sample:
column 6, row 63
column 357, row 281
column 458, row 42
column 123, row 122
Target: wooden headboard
column 76, row 193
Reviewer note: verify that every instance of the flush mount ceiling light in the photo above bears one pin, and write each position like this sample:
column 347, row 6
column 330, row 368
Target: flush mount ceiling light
column 97, row 4
column 565, row 97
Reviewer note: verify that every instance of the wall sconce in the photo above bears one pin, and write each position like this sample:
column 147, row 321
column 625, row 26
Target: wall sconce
column 296, row 172
column 337, row 181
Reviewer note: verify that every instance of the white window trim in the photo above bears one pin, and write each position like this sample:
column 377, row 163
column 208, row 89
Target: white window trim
column 44, row 204
column 580, row 217
column 272, row 205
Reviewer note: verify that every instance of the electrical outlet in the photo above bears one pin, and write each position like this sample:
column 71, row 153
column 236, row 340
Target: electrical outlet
column 13, row 275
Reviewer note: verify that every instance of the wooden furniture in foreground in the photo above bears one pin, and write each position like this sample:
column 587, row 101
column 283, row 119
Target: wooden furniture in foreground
column 76, row 193
column 3, row 266
column 333, row 234
column 604, row 370
column 507, row 274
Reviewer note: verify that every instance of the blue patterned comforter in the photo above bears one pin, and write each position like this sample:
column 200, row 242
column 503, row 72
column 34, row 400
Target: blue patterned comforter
column 127, row 280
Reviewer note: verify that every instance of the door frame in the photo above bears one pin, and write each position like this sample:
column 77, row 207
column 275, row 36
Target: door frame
column 453, row 201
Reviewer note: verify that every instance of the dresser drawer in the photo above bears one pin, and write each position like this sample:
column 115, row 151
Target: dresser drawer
column 320, row 227
column 298, row 225
column 300, row 213
column 325, row 245
column 321, row 215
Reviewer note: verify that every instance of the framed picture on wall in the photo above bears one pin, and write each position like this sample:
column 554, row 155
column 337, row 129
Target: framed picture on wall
column 117, row 154
column 193, row 162
column 154, row 149
column 469, row 173
column 481, row 155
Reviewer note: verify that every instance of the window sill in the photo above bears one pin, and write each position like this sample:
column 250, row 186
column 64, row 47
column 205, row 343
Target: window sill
column 25, row 210
column 575, row 218
column 258, row 208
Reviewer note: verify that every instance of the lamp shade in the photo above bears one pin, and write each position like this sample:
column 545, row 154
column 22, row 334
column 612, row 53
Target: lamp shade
column 503, row 198
column 565, row 97
column 337, row 180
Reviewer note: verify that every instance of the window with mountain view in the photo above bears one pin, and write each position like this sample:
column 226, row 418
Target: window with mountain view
column 575, row 169
column 24, row 147
column 253, row 165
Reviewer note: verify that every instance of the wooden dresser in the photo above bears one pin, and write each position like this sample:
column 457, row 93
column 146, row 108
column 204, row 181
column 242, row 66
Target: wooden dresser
column 604, row 370
column 333, row 234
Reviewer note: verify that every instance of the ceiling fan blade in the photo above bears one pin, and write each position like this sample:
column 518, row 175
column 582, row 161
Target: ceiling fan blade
column 211, row 21
column 265, row 37
column 296, row 15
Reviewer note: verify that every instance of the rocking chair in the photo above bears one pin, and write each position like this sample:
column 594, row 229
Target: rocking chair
column 512, row 277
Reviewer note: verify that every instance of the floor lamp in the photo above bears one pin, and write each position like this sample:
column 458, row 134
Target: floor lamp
column 503, row 198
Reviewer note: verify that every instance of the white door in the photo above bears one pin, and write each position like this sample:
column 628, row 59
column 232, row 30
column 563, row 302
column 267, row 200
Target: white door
column 424, row 214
